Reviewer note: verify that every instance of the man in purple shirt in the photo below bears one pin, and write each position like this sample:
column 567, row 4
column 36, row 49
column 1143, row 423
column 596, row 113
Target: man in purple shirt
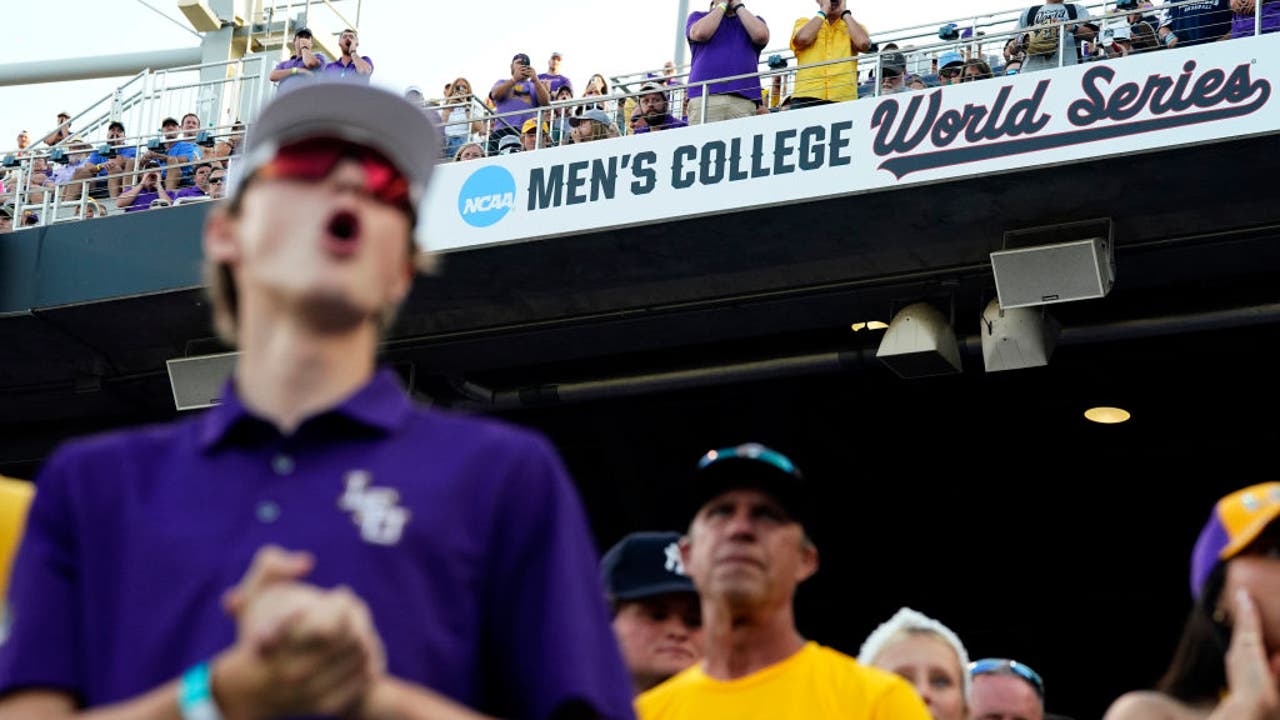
column 552, row 76
column 461, row 540
column 146, row 194
column 726, row 41
column 301, row 64
column 520, row 95
column 352, row 65
column 653, row 111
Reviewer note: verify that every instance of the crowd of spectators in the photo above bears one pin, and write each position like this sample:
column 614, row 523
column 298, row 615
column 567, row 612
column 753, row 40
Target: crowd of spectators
column 726, row 41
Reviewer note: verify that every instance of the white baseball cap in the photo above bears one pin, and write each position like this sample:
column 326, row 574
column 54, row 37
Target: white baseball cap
column 355, row 112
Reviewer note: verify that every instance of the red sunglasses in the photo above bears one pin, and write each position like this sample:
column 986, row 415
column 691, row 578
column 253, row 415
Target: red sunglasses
column 313, row 159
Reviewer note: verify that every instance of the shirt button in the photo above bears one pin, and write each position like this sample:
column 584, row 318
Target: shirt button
column 268, row 512
column 282, row 464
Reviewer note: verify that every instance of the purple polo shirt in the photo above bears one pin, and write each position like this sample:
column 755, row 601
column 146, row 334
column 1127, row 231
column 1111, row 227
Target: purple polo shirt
column 348, row 71
column 1242, row 25
column 555, row 82
column 729, row 52
column 296, row 61
column 521, row 97
column 668, row 123
column 142, row 201
column 464, row 536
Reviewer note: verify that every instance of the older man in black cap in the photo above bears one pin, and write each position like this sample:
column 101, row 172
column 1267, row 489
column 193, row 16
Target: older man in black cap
column 747, row 551
column 656, row 617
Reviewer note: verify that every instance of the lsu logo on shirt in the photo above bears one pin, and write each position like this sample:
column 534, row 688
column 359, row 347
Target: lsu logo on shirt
column 376, row 511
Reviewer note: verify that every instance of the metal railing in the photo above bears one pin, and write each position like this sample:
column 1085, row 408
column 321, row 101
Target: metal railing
column 987, row 38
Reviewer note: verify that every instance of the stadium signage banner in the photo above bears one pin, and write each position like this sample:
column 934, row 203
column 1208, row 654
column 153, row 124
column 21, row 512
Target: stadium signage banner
column 1160, row 100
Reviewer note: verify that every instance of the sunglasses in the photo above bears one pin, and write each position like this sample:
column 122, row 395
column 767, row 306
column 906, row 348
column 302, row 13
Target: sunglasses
column 1002, row 666
column 949, row 73
column 217, row 180
column 314, row 159
column 750, row 451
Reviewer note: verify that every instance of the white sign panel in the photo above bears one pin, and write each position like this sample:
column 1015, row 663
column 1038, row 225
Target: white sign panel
column 1139, row 104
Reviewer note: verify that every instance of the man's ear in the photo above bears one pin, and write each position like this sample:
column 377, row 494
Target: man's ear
column 685, row 550
column 808, row 565
column 221, row 237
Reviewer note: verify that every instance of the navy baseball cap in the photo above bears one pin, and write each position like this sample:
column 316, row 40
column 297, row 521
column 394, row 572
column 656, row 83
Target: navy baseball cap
column 751, row 466
column 522, row 58
column 644, row 564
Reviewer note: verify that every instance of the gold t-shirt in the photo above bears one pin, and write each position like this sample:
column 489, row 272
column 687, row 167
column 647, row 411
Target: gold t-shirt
column 816, row 682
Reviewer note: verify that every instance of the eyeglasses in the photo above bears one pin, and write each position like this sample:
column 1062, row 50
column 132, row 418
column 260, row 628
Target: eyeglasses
column 1003, row 666
column 750, row 451
column 314, row 159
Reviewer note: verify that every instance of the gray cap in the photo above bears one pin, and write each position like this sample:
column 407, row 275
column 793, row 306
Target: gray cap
column 354, row 112
column 594, row 113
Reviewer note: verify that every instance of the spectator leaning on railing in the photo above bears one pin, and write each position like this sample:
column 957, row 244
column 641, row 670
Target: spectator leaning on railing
column 1243, row 21
column 1195, row 23
column 1044, row 24
column 654, row 111
column 61, row 132
column 147, row 193
column 725, row 41
column 830, row 34
column 351, row 65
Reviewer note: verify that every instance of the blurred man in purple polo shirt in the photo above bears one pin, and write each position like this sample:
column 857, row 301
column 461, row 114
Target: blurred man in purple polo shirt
column 726, row 41
column 301, row 64
column 461, row 540
column 521, row 95
column 352, row 65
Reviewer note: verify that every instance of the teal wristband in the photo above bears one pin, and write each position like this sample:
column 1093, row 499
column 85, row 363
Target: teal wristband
column 195, row 695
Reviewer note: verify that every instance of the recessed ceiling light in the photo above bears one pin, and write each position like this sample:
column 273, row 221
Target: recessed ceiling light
column 1107, row 415
column 873, row 325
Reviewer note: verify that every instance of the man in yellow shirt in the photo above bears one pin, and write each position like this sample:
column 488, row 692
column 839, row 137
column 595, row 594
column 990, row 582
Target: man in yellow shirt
column 747, row 551
column 15, row 498
column 830, row 34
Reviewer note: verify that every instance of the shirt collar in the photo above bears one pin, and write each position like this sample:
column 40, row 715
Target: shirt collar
column 381, row 405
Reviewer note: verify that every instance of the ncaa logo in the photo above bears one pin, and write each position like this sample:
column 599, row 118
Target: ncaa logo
column 487, row 196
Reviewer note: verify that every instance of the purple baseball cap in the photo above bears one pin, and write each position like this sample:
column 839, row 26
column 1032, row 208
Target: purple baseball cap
column 1236, row 521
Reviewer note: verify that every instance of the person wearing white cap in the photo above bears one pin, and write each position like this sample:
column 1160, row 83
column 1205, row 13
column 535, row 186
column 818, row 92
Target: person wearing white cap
column 926, row 654
column 402, row 562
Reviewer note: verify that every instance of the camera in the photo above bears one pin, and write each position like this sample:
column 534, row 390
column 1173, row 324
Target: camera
column 949, row 32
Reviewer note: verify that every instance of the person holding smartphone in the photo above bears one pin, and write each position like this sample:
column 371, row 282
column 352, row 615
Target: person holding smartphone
column 143, row 195
column 521, row 94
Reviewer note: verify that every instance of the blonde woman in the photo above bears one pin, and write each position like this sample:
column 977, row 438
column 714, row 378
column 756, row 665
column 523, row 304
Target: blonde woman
column 457, row 110
column 926, row 654
column 592, row 124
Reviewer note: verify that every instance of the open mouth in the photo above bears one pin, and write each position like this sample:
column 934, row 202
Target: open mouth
column 342, row 233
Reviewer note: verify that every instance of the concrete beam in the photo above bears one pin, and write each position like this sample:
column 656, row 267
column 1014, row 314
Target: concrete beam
column 105, row 66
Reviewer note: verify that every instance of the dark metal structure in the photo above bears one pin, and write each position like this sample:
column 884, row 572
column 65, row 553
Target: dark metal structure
column 983, row 498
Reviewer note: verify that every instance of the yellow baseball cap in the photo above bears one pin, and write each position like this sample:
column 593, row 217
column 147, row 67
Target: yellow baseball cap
column 531, row 125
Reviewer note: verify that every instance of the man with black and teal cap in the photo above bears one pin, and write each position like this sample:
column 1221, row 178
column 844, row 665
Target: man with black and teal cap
column 747, row 550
